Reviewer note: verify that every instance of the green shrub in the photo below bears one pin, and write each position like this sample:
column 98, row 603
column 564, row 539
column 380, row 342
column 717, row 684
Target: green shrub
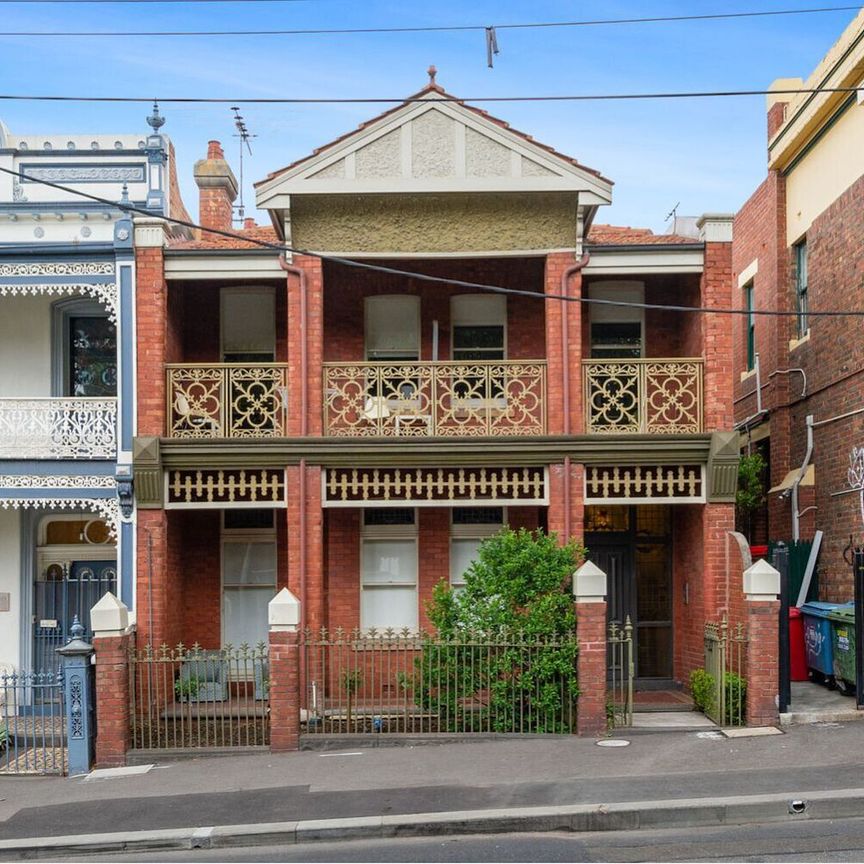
column 187, row 688
column 518, row 598
column 736, row 699
column 703, row 690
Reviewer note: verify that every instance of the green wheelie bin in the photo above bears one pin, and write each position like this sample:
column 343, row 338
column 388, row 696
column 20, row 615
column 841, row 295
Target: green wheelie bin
column 843, row 640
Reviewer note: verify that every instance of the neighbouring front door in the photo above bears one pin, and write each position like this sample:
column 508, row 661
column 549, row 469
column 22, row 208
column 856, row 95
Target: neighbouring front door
column 632, row 546
column 64, row 592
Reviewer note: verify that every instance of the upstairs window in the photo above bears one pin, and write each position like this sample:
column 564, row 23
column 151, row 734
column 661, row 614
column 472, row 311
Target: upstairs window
column 801, row 300
column 617, row 332
column 393, row 328
column 248, row 325
column 751, row 326
column 479, row 323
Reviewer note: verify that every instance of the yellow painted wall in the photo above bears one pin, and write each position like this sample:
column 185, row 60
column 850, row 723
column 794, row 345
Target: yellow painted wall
column 831, row 167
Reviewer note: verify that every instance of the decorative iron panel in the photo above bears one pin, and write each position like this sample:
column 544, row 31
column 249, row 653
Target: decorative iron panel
column 70, row 428
column 649, row 397
column 419, row 400
column 418, row 486
column 216, row 487
column 651, row 483
column 227, row 400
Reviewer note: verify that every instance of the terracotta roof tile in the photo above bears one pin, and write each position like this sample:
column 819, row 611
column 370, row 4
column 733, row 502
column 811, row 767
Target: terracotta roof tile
column 620, row 235
column 242, row 240
column 435, row 88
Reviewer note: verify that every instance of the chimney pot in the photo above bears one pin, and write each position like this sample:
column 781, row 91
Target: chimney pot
column 217, row 189
column 249, row 222
column 214, row 150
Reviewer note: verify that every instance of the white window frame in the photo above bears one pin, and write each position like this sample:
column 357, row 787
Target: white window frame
column 629, row 291
column 243, row 535
column 264, row 290
column 478, row 310
column 478, row 531
column 391, row 532
column 383, row 301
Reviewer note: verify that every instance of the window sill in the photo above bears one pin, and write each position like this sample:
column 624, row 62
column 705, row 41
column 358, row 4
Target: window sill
column 748, row 374
column 794, row 343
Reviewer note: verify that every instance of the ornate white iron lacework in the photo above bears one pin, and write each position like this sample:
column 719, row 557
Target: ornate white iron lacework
column 56, row 481
column 104, row 293
column 856, row 475
column 66, row 428
column 59, row 268
column 107, row 508
column 76, row 718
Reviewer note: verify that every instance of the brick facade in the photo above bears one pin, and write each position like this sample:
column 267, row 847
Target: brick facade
column 112, row 703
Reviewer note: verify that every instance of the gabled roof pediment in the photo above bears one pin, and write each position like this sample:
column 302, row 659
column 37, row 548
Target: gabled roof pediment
column 431, row 144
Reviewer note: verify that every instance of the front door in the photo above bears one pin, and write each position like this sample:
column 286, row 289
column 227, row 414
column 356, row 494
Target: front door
column 65, row 592
column 633, row 548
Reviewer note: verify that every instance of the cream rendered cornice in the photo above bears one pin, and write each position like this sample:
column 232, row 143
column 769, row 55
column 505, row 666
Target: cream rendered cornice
column 806, row 113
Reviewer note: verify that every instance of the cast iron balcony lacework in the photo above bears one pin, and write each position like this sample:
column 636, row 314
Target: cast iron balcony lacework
column 63, row 428
column 649, row 397
column 226, row 400
column 416, row 400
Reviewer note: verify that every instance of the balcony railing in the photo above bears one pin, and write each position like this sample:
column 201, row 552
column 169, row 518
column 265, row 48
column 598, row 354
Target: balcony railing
column 62, row 428
column 226, row 400
column 649, row 397
column 415, row 400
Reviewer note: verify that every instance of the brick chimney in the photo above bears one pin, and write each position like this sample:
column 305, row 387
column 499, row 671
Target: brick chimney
column 218, row 189
column 776, row 103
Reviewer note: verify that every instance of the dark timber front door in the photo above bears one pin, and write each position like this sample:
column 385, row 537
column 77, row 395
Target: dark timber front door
column 632, row 546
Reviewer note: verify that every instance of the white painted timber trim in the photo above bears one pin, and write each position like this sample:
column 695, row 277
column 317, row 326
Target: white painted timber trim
column 221, row 266
column 748, row 273
column 644, row 261
column 150, row 233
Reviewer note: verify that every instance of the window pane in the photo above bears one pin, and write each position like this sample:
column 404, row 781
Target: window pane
column 388, row 607
column 389, row 516
column 245, row 614
column 387, row 561
column 249, row 563
column 392, row 327
column 625, row 333
column 238, row 520
column 462, row 553
column 248, row 324
column 478, row 515
column 488, row 338
column 92, row 357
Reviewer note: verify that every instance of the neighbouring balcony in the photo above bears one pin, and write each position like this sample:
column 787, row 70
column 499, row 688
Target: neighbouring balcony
column 61, row 428
column 226, row 400
column 647, row 397
column 418, row 400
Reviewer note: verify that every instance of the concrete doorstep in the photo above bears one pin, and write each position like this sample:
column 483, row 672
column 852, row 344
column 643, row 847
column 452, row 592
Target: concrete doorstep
column 627, row 816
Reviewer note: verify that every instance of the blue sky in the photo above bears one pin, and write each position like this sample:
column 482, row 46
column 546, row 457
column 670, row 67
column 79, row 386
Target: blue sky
column 706, row 154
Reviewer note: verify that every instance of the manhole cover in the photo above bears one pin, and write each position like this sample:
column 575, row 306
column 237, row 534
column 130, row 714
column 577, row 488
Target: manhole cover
column 613, row 742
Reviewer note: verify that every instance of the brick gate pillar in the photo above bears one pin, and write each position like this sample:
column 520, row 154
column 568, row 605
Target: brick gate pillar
column 283, row 613
column 112, row 639
column 589, row 595
column 762, row 606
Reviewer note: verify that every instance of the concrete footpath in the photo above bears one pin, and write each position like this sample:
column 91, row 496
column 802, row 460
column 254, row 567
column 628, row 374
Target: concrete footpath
column 659, row 780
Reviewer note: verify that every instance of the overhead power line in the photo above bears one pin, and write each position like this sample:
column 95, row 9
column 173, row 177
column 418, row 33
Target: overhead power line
column 426, row 277
column 442, row 28
column 399, row 100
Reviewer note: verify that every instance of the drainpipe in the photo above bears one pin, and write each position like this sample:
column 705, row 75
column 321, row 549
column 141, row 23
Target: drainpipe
column 565, row 360
column 304, row 423
column 796, row 528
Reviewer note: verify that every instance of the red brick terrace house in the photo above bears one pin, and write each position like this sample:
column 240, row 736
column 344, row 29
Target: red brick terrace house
column 799, row 247
column 354, row 434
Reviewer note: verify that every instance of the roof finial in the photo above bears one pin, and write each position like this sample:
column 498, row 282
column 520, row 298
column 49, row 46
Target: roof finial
column 432, row 71
column 156, row 120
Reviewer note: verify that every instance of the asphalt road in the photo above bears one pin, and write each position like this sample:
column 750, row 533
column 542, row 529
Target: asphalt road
column 816, row 841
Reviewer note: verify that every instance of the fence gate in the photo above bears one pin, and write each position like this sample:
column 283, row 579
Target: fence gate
column 619, row 679
column 32, row 723
column 725, row 653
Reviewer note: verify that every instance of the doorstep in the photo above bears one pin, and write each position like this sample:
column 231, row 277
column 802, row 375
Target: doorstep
column 671, row 721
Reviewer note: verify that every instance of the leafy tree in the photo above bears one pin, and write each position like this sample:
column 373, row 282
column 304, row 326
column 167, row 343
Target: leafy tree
column 504, row 657
column 750, row 494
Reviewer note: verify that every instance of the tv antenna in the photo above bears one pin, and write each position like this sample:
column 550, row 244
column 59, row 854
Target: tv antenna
column 244, row 135
column 673, row 213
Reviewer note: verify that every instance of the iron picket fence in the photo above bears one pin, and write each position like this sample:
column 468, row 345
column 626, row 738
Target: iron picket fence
column 32, row 723
column 725, row 658
column 403, row 682
column 619, row 679
column 189, row 697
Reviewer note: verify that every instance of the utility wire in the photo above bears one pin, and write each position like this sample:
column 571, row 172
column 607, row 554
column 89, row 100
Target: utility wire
column 444, row 28
column 399, row 100
column 425, row 277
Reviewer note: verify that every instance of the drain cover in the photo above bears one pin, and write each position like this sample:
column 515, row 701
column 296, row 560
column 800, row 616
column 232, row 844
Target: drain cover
column 613, row 742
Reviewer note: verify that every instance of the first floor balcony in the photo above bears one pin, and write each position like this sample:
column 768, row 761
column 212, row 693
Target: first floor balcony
column 435, row 399
column 643, row 396
column 58, row 428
